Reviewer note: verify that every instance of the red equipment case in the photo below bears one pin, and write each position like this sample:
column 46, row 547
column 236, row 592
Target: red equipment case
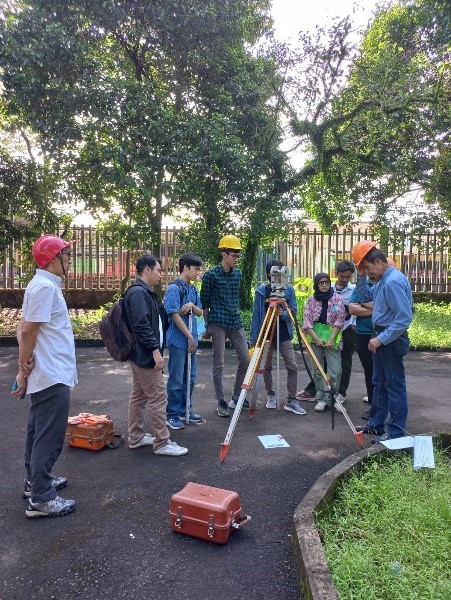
column 91, row 432
column 206, row 512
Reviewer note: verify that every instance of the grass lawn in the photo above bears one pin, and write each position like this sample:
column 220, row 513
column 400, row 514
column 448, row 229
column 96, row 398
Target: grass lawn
column 388, row 533
column 431, row 326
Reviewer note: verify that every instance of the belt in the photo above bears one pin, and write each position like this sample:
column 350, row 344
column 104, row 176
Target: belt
column 379, row 328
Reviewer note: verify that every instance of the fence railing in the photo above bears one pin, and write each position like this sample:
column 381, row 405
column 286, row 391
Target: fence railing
column 98, row 265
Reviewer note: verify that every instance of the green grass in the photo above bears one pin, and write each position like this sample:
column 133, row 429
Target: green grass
column 388, row 533
column 431, row 326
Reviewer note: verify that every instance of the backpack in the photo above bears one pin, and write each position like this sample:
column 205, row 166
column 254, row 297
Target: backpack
column 115, row 332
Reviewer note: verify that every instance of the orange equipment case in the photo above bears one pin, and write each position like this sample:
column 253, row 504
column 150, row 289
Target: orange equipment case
column 92, row 432
column 206, row 512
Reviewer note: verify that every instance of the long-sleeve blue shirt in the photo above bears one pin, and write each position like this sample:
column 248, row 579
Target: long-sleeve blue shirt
column 392, row 305
column 260, row 308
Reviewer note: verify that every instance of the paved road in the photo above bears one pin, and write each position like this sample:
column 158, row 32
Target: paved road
column 118, row 544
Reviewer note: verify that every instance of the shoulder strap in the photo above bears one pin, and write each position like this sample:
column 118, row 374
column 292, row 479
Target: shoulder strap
column 180, row 286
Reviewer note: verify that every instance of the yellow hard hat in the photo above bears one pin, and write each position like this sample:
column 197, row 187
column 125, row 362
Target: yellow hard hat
column 229, row 241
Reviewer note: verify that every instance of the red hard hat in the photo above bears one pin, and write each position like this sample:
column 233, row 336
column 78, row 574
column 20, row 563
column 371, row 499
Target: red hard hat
column 47, row 247
column 361, row 249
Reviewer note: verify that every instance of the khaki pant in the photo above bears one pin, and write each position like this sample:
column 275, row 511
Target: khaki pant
column 289, row 358
column 333, row 361
column 148, row 389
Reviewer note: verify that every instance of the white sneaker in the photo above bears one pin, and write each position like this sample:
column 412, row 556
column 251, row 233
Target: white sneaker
column 271, row 402
column 320, row 406
column 338, row 408
column 365, row 398
column 171, row 449
column 342, row 398
column 147, row 440
column 58, row 507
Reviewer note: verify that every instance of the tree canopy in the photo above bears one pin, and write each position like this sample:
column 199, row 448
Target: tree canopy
column 145, row 108
column 378, row 130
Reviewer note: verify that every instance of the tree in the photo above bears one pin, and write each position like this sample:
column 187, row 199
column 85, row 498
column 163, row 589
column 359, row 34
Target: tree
column 123, row 99
column 380, row 129
column 155, row 106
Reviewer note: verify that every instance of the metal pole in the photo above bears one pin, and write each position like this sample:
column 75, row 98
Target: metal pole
column 188, row 372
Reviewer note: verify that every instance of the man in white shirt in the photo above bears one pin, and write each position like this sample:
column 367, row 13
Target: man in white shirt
column 47, row 371
column 344, row 270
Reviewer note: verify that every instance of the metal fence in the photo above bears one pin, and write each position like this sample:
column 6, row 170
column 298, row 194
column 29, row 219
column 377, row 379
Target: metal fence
column 98, row 265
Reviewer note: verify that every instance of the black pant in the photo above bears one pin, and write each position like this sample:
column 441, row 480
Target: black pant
column 366, row 358
column 346, row 359
column 47, row 424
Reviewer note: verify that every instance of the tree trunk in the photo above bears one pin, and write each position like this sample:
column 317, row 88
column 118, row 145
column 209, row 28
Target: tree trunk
column 248, row 269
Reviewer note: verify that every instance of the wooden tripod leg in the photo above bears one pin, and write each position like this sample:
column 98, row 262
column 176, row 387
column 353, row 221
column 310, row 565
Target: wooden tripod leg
column 267, row 328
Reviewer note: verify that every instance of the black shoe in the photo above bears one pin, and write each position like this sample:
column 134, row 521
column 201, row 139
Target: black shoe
column 223, row 410
column 366, row 415
column 371, row 430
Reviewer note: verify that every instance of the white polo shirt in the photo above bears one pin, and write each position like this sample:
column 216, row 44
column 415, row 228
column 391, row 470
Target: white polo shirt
column 55, row 348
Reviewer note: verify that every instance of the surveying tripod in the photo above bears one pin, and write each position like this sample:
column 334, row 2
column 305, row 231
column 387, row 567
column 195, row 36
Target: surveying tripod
column 258, row 363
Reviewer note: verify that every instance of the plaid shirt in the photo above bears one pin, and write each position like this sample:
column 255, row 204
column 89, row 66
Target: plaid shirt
column 220, row 293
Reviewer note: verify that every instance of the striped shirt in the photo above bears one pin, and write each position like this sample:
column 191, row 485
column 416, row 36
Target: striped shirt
column 220, row 293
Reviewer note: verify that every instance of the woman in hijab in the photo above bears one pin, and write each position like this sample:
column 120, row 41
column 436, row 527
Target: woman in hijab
column 324, row 316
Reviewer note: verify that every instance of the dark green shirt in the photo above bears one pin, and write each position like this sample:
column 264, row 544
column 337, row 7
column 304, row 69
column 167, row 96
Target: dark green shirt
column 220, row 293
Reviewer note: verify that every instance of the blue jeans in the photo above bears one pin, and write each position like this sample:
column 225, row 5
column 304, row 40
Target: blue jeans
column 389, row 391
column 176, row 388
column 47, row 424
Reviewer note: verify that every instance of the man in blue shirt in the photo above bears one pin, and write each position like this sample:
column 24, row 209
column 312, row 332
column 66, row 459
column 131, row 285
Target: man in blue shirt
column 181, row 299
column 364, row 332
column 392, row 315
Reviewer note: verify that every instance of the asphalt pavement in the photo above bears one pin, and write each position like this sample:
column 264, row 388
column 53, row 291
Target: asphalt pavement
column 118, row 542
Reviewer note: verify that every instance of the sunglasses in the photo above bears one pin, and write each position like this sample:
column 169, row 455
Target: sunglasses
column 323, row 283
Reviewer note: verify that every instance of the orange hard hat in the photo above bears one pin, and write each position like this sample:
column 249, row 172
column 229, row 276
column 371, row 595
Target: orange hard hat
column 361, row 249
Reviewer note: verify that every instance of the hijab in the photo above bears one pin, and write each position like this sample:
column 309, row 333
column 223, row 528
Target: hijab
column 322, row 297
column 318, row 295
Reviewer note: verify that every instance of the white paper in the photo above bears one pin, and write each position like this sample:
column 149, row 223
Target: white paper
column 423, row 452
column 273, row 441
column 399, row 443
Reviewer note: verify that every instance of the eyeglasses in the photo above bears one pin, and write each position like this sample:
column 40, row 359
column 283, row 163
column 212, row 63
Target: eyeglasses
column 323, row 283
column 68, row 254
column 234, row 254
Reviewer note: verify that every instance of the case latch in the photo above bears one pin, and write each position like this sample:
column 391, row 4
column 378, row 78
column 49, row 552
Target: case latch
column 211, row 526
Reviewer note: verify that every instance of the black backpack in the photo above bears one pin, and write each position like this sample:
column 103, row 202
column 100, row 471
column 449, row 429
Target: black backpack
column 115, row 332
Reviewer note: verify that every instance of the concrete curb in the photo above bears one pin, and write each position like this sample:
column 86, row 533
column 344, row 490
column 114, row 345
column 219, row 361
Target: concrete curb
column 315, row 578
column 7, row 341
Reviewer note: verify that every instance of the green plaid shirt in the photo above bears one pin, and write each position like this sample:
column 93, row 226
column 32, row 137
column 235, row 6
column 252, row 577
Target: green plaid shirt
column 220, row 293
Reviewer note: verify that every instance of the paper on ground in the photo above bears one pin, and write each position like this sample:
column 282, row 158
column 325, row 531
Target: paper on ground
column 399, row 443
column 423, row 452
column 273, row 441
